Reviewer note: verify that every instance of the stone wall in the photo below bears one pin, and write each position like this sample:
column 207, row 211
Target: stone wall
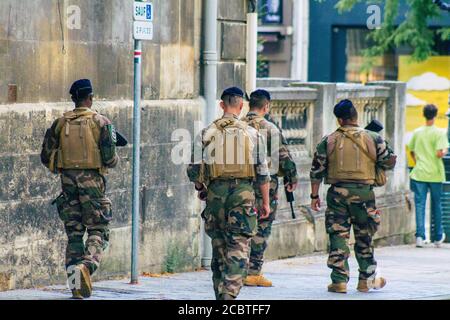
column 34, row 57
column 32, row 240
column 309, row 107
column 42, row 56
column 232, row 44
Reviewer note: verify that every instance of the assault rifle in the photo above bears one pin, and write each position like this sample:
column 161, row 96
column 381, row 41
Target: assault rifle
column 289, row 195
column 374, row 126
column 121, row 140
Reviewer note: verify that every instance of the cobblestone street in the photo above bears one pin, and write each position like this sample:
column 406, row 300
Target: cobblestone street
column 412, row 274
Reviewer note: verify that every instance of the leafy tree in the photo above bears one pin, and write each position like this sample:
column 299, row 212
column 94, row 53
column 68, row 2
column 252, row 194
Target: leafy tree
column 413, row 31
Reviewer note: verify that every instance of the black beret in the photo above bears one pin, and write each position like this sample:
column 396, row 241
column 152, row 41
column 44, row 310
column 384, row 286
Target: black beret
column 233, row 91
column 261, row 93
column 343, row 109
column 81, row 88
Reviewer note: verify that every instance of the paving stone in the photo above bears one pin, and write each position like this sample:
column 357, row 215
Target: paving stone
column 412, row 274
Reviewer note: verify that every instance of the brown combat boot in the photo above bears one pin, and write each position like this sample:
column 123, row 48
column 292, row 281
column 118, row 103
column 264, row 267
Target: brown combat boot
column 227, row 297
column 257, row 281
column 340, row 287
column 76, row 294
column 85, row 280
column 366, row 285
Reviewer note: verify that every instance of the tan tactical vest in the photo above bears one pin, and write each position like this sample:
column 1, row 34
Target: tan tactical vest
column 229, row 150
column 79, row 142
column 346, row 159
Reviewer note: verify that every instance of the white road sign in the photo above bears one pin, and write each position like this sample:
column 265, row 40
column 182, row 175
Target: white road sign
column 143, row 11
column 143, row 30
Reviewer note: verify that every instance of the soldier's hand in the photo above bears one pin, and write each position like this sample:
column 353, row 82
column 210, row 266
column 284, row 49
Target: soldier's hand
column 199, row 186
column 202, row 195
column 264, row 211
column 290, row 187
column 315, row 204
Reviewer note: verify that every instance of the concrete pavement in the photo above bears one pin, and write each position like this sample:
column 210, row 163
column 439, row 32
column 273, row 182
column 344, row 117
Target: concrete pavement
column 412, row 273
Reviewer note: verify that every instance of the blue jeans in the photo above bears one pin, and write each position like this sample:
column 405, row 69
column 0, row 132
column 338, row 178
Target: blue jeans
column 420, row 190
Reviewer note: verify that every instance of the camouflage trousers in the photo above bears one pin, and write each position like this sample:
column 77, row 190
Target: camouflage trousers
column 260, row 241
column 351, row 205
column 83, row 208
column 230, row 221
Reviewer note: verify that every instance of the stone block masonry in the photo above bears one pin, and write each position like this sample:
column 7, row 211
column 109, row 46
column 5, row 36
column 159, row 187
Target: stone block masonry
column 32, row 238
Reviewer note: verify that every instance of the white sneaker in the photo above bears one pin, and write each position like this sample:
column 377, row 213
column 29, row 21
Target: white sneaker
column 419, row 242
column 439, row 243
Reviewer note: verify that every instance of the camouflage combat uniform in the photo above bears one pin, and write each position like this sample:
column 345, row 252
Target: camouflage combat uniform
column 287, row 168
column 351, row 203
column 230, row 217
column 82, row 206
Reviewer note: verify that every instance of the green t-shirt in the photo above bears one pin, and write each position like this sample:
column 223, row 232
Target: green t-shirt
column 425, row 143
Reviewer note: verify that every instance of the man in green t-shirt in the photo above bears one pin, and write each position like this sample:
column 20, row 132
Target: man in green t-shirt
column 428, row 146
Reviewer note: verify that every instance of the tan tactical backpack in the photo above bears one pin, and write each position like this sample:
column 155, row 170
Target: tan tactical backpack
column 229, row 150
column 79, row 142
column 352, row 158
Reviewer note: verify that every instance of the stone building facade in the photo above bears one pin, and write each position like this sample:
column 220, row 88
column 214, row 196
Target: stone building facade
column 40, row 56
column 41, row 53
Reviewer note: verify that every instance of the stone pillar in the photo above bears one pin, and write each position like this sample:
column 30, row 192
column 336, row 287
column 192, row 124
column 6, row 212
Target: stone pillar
column 232, row 44
column 324, row 120
column 395, row 129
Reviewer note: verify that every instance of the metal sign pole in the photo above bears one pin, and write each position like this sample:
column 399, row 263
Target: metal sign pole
column 136, row 161
column 142, row 30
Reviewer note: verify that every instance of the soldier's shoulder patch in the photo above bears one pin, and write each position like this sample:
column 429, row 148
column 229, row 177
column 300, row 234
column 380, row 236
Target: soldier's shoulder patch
column 112, row 132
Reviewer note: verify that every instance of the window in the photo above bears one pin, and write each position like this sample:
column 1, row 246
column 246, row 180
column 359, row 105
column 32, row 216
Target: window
column 271, row 11
column 386, row 65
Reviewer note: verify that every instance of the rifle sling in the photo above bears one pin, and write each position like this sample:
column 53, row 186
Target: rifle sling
column 358, row 145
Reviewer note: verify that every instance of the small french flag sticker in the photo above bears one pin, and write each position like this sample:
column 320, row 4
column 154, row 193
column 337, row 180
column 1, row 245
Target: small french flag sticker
column 137, row 56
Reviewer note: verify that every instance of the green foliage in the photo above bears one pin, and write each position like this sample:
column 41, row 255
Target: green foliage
column 177, row 258
column 444, row 33
column 346, row 5
column 413, row 31
column 261, row 59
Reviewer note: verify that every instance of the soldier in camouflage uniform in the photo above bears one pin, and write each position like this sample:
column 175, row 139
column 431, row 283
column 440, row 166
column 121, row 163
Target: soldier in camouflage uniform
column 80, row 146
column 352, row 160
column 230, row 216
column 282, row 165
